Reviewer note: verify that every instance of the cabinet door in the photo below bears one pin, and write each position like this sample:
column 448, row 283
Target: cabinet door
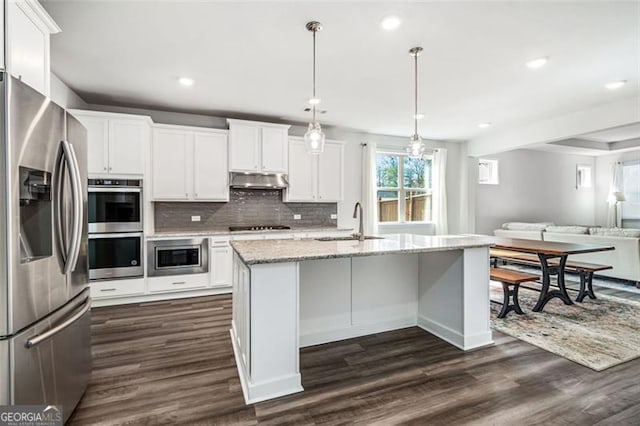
column 330, row 173
column 302, row 167
column 127, row 146
column 210, row 170
column 170, row 155
column 221, row 265
column 274, row 149
column 97, row 143
column 28, row 46
column 244, row 147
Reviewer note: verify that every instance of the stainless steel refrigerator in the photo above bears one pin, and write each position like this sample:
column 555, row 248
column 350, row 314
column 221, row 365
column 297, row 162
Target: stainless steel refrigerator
column 45, row 347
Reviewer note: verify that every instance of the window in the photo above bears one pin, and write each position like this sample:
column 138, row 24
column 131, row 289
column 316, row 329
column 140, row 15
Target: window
column 488, row 171
column 631, row 188
column 404, row 188
column 583, row 176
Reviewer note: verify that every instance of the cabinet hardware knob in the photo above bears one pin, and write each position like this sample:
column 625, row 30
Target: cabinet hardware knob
column 110, row 168
column 105, row 168
column 108, row 289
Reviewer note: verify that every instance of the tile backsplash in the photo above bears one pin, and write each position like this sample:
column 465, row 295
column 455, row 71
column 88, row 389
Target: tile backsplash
column 245, row 207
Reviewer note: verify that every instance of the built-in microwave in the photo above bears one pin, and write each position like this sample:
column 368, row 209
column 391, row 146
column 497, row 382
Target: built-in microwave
column 116, row 255
column 178, row 257
column 115, row 205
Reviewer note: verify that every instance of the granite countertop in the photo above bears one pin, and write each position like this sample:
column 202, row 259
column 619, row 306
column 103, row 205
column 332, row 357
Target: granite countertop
column 273, row 251
column 225, row 231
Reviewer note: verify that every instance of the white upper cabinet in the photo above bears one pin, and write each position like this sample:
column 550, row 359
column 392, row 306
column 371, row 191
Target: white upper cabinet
column 315, row 178
column 117, row 143
column 302, row 172
column 170, row 153
column 330, row 172
column 257, row 147
column 29, row 27
column 210, row 169
column 189, row 164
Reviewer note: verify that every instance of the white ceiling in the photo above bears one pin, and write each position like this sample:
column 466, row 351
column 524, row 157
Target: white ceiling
column 616, row 134
column 254, row 58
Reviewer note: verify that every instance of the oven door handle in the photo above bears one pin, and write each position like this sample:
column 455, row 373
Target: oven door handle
column 119, row 235
column 119, row 189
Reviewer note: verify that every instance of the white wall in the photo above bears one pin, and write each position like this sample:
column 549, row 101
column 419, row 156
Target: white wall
column 535, row 186
column 604, row 175
column 64, row 96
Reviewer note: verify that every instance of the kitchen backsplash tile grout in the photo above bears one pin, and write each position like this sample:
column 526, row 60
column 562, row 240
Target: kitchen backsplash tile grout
column 245, row 207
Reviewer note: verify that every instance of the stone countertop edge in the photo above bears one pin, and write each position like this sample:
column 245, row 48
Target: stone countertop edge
column 226, row 232
column 302, row 257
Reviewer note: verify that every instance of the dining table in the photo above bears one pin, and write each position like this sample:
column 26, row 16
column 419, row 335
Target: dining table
column 547, row 251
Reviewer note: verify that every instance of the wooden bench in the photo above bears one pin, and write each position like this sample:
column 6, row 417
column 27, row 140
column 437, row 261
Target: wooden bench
column 509, row 279
column 584, row 270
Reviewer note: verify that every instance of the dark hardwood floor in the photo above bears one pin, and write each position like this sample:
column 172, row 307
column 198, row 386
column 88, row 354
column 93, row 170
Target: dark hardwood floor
column 172, row 363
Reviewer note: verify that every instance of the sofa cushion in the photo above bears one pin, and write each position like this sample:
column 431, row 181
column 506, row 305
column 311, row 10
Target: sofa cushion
column 615, row 232
column 526, row 226
column 568, row 229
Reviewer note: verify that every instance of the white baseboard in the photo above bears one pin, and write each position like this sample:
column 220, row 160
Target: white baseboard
column 454, row 337
column 318, row 338
column 125, row 300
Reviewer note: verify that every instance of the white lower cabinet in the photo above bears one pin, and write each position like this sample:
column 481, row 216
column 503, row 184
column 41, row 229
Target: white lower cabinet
column 221, row 263
column 178, row 282
column 117, row 288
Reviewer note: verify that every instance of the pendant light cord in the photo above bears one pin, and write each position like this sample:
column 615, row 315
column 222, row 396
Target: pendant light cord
column 314, row 75
column 415, row 99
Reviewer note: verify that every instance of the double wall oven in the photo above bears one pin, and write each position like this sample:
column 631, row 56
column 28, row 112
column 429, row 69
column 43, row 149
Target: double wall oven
column 115, row 229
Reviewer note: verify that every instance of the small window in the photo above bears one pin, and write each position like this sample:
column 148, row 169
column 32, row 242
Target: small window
column 583, row 176
column 488, row 171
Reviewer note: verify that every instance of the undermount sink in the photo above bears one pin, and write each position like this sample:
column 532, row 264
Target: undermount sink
column 349, row 238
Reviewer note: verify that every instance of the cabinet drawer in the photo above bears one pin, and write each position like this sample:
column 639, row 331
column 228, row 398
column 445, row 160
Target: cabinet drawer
column 178, row 282
column 117, row 288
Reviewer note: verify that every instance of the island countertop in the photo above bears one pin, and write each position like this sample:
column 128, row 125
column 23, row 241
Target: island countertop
column 254, row 252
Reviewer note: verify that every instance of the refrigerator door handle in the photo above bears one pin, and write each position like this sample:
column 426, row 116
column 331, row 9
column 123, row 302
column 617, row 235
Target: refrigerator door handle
column 58, row 187
column 76, row 187
column 35, row 340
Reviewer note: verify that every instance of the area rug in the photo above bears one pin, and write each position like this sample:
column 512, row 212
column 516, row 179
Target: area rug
column 598, row 334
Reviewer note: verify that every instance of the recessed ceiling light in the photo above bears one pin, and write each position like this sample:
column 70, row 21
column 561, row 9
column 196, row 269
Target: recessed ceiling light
column 314, row 101
column 390, row 22
column 484, row 125
column 537, row 63
column 615, row 84
column 419, row 116
column 186, row 81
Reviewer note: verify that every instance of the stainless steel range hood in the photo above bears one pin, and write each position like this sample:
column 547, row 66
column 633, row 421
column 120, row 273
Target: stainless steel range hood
column 258, row 180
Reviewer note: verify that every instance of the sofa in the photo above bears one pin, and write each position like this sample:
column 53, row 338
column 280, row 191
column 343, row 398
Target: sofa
column 625, row 259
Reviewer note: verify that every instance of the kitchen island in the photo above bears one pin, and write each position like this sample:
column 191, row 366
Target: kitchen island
column 289, row 294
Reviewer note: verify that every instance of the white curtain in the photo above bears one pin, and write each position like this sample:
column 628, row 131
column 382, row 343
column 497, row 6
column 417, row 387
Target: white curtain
column 614, row 218
column 369, row 194
column 439, row 196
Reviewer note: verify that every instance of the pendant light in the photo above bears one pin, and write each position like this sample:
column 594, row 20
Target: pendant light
column 314, row 137
column 416, row 147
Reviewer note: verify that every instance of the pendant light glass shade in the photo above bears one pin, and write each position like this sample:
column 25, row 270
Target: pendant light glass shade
column 314, row 137
column 416, row 147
